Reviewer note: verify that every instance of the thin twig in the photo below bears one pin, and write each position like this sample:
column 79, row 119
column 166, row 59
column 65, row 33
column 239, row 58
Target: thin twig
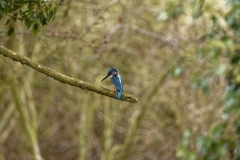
column 15, row 17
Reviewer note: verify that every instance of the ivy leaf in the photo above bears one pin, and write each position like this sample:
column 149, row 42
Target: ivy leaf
column 177, row 12
column 28, row 23
column 218, row 130
column 3, row 4
column 35, row 17
column 36, row 28
column 50, row 14
column 236, row 58
column 10, row 31
column 7, row 22
column 55, row 9
column 44, row 21
column 1, row 13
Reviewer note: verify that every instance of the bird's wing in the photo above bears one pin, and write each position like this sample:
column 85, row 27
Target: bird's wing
column 122, row 84
column 117, row 82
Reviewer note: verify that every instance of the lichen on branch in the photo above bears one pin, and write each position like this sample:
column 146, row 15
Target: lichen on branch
column 63, row 78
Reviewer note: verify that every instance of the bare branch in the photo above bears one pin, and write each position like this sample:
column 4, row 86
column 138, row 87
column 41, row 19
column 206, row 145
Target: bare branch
column 63, row 78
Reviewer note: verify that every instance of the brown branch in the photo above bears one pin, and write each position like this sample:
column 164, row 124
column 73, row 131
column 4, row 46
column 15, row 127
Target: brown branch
column 11, row 15
column 63, row 78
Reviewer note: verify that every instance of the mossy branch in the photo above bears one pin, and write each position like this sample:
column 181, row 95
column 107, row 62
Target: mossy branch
column 63, row 78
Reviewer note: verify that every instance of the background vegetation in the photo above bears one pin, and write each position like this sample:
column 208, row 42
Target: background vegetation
column 179, row 58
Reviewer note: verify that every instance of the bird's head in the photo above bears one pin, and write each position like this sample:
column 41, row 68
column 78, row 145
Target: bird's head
column 111, row 72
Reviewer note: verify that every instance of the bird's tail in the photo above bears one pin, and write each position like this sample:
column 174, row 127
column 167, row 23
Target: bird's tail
column 119, row 94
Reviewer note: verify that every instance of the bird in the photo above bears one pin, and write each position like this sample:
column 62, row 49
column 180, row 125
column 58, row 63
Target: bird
column 116, row 80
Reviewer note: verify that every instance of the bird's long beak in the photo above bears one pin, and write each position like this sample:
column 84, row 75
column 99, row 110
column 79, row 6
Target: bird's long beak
column 105, row 77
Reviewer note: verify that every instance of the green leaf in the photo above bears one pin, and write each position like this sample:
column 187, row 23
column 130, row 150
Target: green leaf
column 206, row 89
column 197, row 11
column 28, row 23
column 205, row 144
column 191, row 156
column 177, row 12
column 181, row 152
column 55, row 9
column 10, row 31
column 21, row 11
column 50, row 14
column 162, row 15
column 178, row 72
column 1, row 13
column 196, row 83
column 53, row 18
column 221, row 69
column 205, row 85
column 44, row 21
column 237, row 126
column 34, row 17
column 218, row 130
column 236, row 58
column 36, row 28
column 3, row 4
column 186, row 138
column 232, row 99
column 7, row 22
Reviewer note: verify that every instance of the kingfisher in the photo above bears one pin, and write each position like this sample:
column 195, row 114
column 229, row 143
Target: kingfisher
column 116, row 80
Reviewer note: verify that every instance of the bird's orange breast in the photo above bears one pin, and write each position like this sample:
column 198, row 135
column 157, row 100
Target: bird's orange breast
column 114, row 88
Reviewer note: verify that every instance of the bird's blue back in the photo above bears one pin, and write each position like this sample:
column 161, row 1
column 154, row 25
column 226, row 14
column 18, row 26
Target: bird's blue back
column 117, row 81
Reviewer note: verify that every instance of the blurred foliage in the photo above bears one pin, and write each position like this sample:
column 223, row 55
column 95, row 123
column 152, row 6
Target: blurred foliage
column 179, row 58
column 34, row 13
column 222, row 46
